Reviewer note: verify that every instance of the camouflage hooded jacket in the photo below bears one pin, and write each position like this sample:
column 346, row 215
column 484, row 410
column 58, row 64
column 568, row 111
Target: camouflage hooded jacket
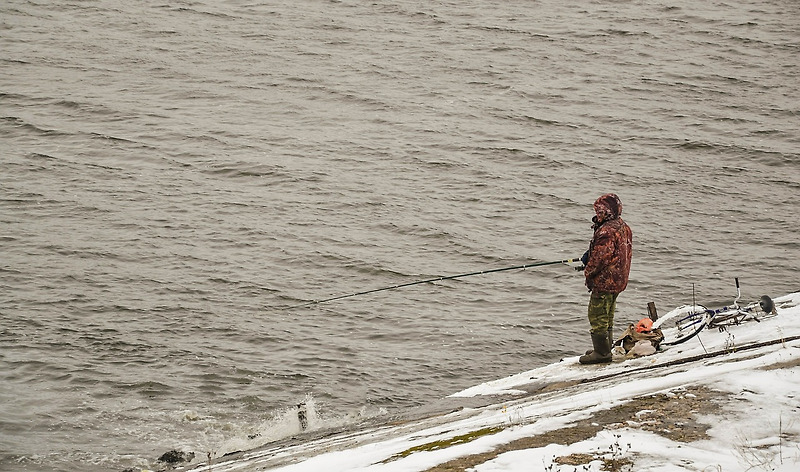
column 609, row 263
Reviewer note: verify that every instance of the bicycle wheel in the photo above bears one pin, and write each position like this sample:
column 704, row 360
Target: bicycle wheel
column 682, row 323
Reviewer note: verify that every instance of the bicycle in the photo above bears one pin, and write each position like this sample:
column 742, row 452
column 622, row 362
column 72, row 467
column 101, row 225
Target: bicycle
column 685, row 322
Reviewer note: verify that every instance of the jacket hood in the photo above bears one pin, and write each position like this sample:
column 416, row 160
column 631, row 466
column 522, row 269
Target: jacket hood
column 608, row 207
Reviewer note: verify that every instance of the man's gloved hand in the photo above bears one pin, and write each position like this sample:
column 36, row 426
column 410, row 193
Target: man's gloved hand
column 584, row 260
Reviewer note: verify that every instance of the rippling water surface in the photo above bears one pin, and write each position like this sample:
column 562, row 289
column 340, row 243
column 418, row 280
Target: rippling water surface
column 175, row 175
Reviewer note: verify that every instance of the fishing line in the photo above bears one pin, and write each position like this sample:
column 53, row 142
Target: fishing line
column 436, row 279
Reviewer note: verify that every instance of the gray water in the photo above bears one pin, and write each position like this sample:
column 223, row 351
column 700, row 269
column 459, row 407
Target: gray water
column 175, row 175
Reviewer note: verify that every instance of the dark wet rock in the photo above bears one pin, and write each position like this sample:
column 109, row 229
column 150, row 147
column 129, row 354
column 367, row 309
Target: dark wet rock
column 176, row 457
column 302, row 415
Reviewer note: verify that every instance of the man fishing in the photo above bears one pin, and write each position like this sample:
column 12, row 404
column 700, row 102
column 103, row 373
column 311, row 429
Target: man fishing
column 608, row 265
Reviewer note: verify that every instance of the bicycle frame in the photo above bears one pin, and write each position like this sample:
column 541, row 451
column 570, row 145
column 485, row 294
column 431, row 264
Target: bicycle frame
column 687, row 321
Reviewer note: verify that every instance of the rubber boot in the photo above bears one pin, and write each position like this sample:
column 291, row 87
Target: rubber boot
column 601, row 354
column 610, row 341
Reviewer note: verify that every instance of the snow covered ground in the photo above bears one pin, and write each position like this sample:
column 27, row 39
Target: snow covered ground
column 675, row 410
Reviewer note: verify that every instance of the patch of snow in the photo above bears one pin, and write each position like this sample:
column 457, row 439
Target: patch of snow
column 756, row 428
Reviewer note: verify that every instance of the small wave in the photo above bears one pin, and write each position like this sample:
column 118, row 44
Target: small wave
column 13, row 61
column 147, row 388
column 770, row 158
column 286, row 422
column 275, row 174
column 21, row 125
column 621, row 32
column 107, row 137
column 194, row 11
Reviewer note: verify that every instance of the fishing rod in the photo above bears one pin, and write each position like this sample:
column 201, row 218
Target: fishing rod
column 437, row 279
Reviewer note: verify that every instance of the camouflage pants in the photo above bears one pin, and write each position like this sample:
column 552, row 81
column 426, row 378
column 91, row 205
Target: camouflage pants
column 601, row 311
